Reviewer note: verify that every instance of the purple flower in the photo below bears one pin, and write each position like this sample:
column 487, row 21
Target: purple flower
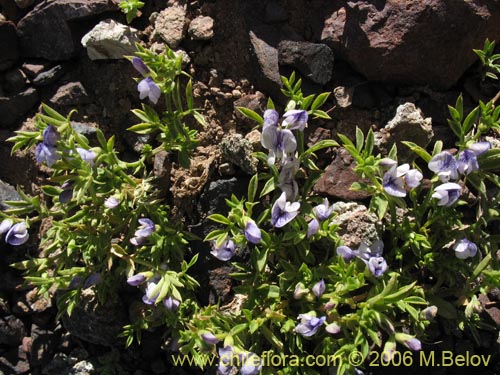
column 388, row 162
column 226, row 356
column 148, row 88
column 347, row 253
column 445, row 165
column 295, row 119
column 171, row 304
column 209, row 338
column 447, row 193
column 279, row 142
column 225, row 251
column 92, row 280
column 309, row 324
column 149, row 298
column 76, row 282
column 136, row 280
column 480, row 148
column 409, row 341
column 312, row 228
column 86, row 155
column 323, row 211
column 283, row 212
column 429, row 313
column 319, row 288
column 300, row 291
column 377, row 266
column 271, row 118
column 111, row 202
column 17, row 234
column 46, row 154
column 286, row 178
column 465, row 249
column 139, row 65
column 145, row 230
column 368, row 251
column 251, row 364
column 467, row 159
column 67, row 193
column 395, row 179
column 5, row 225
column 252, row 232
column 50, row 136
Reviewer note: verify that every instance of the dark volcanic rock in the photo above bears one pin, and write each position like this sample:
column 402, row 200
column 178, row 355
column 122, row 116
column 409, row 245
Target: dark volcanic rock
column 9, row 48
column 14, row 107
column 45, row 31
column 12, row 331
column 419, row 42
column 313, row 60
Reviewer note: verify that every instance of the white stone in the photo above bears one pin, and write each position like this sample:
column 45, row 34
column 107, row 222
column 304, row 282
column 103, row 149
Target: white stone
column 110, row 40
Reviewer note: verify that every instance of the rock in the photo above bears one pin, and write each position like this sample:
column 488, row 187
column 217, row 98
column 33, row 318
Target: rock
column 110, row 40
column 256, row 102
column 9, row 47
column 490, row 309
column 7, row 193
column 338, row 177
column 12, row 331
column 220, row 284
column 238, row 151
column 333, row 29
column 33, row 69
column 275, row 13
column 4, row 307
column 407, row 125
column 343, row 96
column 267, row 59
column 83, row 368
column 170, row 25
column 49, row 76
column 201, row 28
column 43, row 344
column 14, row 107
column 23, row 4
column 356, row 223
column 162, row 168
column 70, row 94
column 313, row 60
column 388, row 41
column 88, row 130
column 15, row 81
column 97, row 323
column 46, row 32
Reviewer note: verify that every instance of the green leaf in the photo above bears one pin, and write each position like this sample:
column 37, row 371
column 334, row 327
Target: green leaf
column 252, row 187
column 269, row 187
column 51, row 191
column 189, row 94
column 270, row 103
column 251, row 115
column 220, row 219
column 379, row 205
column 143, row 128
column 370, row 141
column 53, row 113
column 320, row 100
column 438, row 147
column 418, row 150
column 470, row 120
column 360, row 139
column 325, row 143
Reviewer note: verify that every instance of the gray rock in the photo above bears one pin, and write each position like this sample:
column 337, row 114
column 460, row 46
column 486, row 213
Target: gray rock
column 356, row 223
column 9, row 47
column 83, row 368
column 87, row 130
column 201, row 28
column 15, row 81
column 407, row 125
column 23, row 4
column 49, row 76
column 12, row 331
column 45, row 31
column 70, row 94
column 313, row 60
column 275, row 12
column 170, row 25
column 110, row 40
column 14, row 107
column 238, row 151
column 267, row 60
column 95, row 322
column 43, row 344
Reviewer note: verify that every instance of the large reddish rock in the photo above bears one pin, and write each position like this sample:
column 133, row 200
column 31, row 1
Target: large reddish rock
column 421, row 42
column 52, row 31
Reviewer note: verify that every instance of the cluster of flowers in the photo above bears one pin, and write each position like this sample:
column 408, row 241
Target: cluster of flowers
column 370, row 255
column 147, row 87
column 46, row 151
column 17, row 234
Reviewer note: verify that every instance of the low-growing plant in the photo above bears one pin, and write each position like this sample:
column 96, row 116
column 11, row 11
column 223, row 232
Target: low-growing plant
column 131, row 8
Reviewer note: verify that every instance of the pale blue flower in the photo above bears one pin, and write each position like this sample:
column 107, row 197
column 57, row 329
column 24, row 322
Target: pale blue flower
column 226, row 356
column 323, row 211
column 447, row 193
column 467, row 159
column 333, row 328
column 67, row 193
column 271, row 118
column 5, row 225
column 445, row 166
column 319, row 288
column 171, row 304
column 139, row 65
column 396, row 178
column 283, row 212
column 309, row 324
column 224, row 252
column 413, row 178
column 252, row 232
column 46, row 154
column 50, row 136
column 479, row 148
column 92, row 280
column 346, row 253
column 87, row 155
column 209, row 338
column 149, row 89
column 312, row 228
column 137, row 279
column 279, row 142
column 295, row 119
column 149, row 298
column 370, row 255
column 111, row 202
column 465, row 249
column 251, row 363
column 377, row 266
column 145, row 230
column 17, row 234
column 286, row 178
